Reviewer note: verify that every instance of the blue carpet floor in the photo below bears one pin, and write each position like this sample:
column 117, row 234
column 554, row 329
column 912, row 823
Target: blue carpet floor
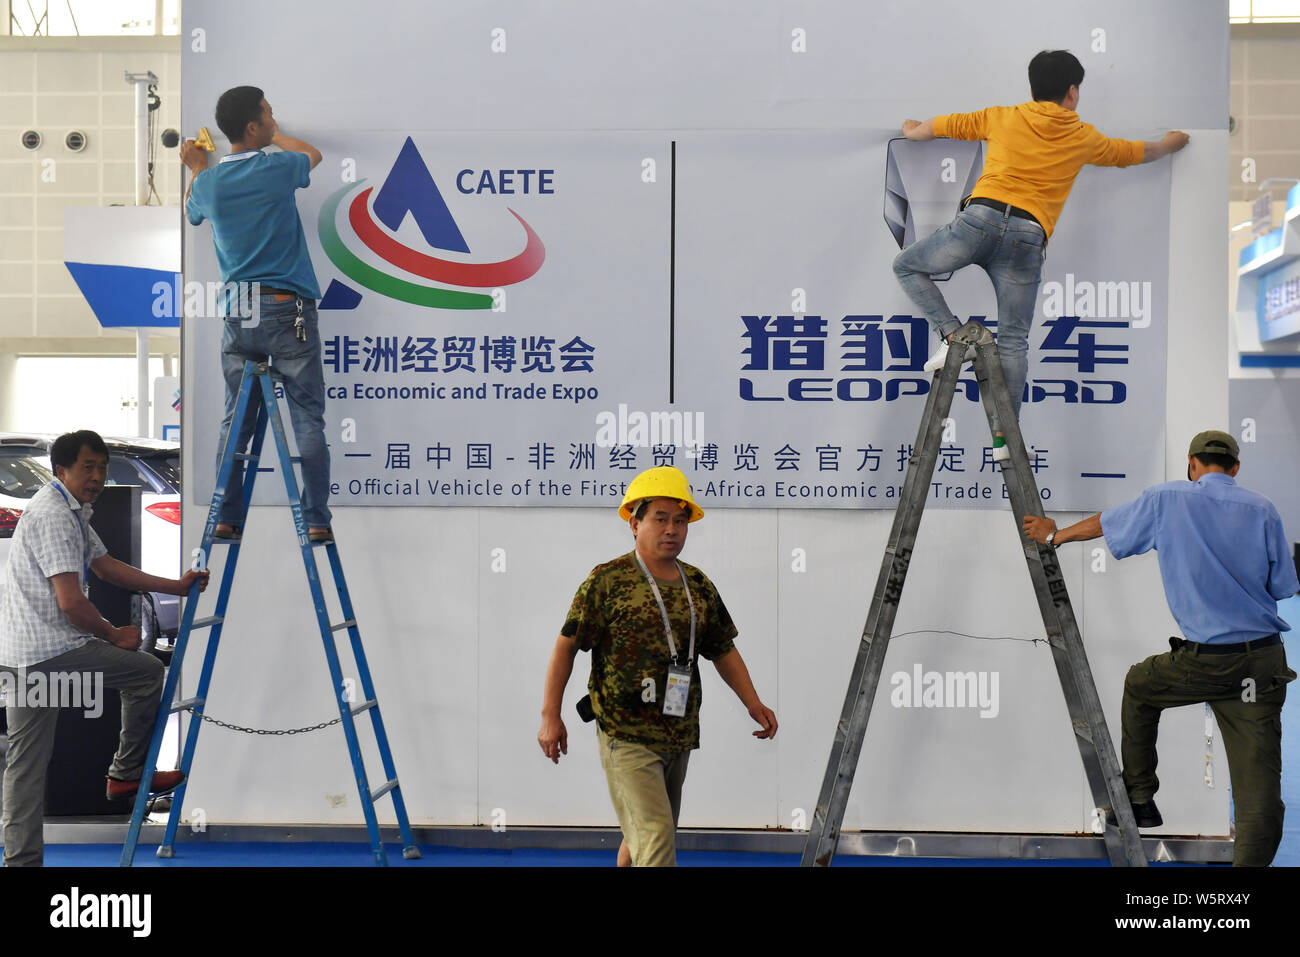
column 280, row 854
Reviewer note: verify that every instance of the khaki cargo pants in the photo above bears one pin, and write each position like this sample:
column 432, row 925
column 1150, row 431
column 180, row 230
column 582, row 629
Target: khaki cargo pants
column 646, row 788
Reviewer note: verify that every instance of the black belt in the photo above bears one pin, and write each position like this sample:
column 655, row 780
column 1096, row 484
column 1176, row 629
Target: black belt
column 1002, row 207
column 1201, row 648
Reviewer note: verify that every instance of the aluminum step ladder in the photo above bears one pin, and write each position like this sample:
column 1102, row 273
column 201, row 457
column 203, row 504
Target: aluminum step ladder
column 1101, row 765
column 267, row 411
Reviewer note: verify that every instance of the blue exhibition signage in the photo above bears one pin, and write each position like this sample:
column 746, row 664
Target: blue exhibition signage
column 1278, row 302
column 123, row 295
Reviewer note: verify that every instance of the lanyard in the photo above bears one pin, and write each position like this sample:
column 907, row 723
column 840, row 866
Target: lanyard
column 85, row 541
column 668, row 629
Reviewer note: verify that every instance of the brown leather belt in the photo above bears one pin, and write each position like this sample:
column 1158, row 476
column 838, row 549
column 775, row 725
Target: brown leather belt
column 280, row 294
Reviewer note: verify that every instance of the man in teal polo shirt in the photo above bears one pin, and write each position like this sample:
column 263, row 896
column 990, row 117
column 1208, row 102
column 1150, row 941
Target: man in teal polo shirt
column 1225, row 564
column 249, row 199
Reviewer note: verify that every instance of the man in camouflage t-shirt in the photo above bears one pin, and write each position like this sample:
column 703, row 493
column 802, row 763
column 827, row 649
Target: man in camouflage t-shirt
column 616, row 615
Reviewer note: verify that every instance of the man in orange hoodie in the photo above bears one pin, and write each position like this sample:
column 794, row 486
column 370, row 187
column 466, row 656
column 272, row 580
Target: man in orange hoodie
column 1035, row 150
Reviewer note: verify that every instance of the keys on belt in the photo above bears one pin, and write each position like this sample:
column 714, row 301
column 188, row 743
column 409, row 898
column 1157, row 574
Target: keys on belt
column 282, row 295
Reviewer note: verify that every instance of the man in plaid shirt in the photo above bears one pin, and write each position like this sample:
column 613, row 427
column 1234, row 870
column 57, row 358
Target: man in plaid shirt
column 49, row 630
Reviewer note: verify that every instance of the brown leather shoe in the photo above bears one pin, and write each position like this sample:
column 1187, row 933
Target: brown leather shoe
column 163, row 782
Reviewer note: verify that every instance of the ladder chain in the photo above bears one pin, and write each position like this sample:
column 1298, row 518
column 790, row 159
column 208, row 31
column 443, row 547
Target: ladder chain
column 235, row 727
column 267, row 417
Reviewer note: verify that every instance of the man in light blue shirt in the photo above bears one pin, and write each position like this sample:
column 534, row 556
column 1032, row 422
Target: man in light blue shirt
column 1225, row 564
column 249, row 199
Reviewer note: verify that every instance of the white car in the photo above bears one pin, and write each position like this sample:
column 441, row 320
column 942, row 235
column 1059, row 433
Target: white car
column 24, row 470
column 152, row 464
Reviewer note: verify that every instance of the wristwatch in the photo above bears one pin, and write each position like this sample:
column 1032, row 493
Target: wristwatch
column 1051, row 537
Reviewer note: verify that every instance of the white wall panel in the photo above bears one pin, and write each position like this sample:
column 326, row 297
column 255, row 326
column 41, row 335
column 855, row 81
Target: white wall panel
column 459, row 650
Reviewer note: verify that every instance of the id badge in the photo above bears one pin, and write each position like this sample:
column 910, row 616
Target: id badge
column 677, row 691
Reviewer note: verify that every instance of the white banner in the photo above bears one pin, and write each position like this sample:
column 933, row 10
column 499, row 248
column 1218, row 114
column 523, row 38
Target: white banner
column 514, row 319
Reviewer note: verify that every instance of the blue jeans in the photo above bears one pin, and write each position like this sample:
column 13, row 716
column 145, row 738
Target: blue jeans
column 298, row 366
column 1010, row 250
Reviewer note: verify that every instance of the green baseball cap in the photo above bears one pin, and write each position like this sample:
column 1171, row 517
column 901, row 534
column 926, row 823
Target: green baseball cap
column 1214, row 442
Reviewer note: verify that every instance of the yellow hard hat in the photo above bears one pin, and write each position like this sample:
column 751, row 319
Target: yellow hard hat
column 662, row 482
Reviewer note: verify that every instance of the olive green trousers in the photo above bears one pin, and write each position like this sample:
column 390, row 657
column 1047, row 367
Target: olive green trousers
column 1246, row 690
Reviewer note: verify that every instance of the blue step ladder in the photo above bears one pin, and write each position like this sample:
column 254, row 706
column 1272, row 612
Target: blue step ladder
column 259, row 374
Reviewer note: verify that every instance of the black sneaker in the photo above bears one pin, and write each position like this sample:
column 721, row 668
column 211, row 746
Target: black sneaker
column 1146, row 814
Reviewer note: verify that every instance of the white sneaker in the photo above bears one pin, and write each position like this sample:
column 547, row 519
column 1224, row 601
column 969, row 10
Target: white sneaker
column 936, row 361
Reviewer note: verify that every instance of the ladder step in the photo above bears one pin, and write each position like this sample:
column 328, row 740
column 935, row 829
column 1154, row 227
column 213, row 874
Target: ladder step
column 245, row 457
column 343, row 624
column 206, row 622
column 365, row 706
column 384, row 789
column 186, row 704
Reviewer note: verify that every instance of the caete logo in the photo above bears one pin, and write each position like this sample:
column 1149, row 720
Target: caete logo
column 373, row 219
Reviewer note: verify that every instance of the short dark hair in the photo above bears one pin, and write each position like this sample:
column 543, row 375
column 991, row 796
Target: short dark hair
column 1052, row 73
column 1224, row 462
column 67, row 447
column 645, row 506
column 236, row 108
